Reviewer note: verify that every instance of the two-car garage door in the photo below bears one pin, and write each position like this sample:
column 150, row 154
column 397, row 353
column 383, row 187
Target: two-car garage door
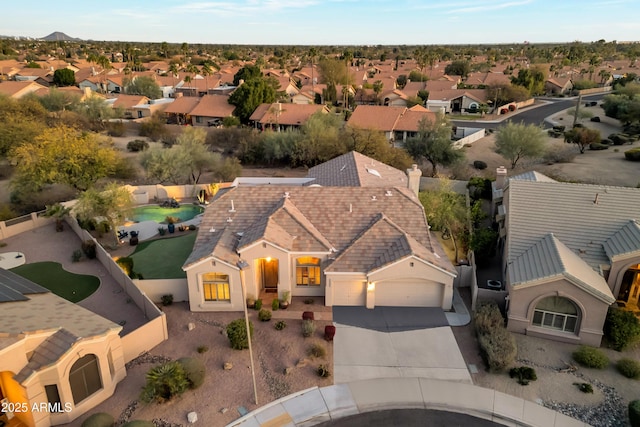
column 392, row 293
column 409, row 293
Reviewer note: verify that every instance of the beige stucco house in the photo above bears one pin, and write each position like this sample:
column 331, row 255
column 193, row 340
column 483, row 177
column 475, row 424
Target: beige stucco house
column 366, row 243
column 569, row 252
column 57, row 359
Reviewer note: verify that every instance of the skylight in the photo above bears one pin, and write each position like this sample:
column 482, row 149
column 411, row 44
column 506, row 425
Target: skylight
column 374, row 172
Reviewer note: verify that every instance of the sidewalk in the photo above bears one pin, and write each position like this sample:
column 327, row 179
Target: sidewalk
column 322, row 405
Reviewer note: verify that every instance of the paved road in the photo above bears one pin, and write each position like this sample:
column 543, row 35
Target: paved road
column 410, row 418
column 533, row 115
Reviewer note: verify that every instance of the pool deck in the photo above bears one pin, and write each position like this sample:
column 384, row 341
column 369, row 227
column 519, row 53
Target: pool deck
column 149, row 229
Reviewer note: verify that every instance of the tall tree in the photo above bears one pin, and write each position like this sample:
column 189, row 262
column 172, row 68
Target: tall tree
column 64, row 77
column 143, row 85
column 113, row 203
column 434, row 143
column 246, row 73
column 66, row 156
column 248, row 96
column 516, row 141
column 206, row 71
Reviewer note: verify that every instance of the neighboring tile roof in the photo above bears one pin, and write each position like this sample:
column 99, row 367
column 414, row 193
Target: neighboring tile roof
column 286, row 114
column 356, row 170
column 182, row 105
column 47, row 353
column 581, row 216
column 532, row 176
column 549, row 258
column 213, row 106
column 479, row 95
column 624, row 241
column 129, row 101
column 376, row 117
column 335, row 216
column 18, row 89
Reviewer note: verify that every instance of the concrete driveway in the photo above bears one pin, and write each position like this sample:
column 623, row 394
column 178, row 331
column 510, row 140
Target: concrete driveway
column 395, row 342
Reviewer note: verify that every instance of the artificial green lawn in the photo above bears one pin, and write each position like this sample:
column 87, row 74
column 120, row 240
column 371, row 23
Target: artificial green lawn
column 163, row 258
column 70, row 286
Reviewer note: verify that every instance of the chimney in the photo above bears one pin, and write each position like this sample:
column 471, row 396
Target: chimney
column 501, row 177
column 414, row 175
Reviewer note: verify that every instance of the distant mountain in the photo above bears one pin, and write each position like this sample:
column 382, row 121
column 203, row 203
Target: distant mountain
column 58, row 36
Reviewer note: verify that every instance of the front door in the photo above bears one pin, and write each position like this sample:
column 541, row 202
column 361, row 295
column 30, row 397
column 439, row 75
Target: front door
column 269, row 273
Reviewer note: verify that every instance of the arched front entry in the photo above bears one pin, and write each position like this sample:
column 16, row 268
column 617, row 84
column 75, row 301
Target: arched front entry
column 630, row 287
column 557, row 313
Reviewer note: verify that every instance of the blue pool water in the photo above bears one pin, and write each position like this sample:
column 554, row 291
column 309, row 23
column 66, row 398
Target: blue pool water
column 158, row 213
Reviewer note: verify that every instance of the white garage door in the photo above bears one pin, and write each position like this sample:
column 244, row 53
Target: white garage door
column 349, row 292
column 409, row 293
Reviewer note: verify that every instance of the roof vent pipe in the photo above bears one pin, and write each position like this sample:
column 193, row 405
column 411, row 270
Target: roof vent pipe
column 233, row 209
column 595, row 201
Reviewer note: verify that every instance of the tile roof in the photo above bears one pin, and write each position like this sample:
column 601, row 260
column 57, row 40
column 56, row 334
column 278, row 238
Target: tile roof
column 549, row 258
column 47, row 353
column 182, row 105
column 18, row 89
column 582, row 216
column 353, row 169
column 286, row 114
column 410, row 120
column 213, row 106
column 479, row 95
column 323, row 216
column 129, row 101
column 14, row 287
column 375, row 117
column 624, row 241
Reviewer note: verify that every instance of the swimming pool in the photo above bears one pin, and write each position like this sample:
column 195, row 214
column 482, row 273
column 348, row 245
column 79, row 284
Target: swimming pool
column 158, row 213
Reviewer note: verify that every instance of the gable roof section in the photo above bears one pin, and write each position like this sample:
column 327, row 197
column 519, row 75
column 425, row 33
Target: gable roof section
column 410, row 120
column 582, row 216
column 286, row 114
column 182, row 105
column 19, row 89
column 624, row 241
column 353, row 169
column 47, row 353
column 550, row 258
column 213, row 106
column 532, row 176
column 375, row 117
column 328, row 219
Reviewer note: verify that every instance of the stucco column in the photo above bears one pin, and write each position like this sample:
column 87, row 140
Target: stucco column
column 371, row 295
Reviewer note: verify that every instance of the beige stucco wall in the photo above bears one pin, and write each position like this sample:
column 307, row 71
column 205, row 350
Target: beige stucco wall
column 196, row 296
column 592, row 312
column 58, row 374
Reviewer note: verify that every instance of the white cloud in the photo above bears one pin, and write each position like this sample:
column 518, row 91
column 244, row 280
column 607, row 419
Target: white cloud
column 490, row 6
column 246, row 7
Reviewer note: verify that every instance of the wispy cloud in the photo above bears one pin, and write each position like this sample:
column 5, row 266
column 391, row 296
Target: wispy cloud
column 488, row 6
column 245, row 7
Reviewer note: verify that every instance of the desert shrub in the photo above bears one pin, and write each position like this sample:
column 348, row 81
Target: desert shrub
column 584, row 387
column 167, row 299
column 264, row 315
column 595, row 119
column 202, row 349
column 194, row 370
column 498, row 349
column 618, row 139
column 192, row 227
column 164, row 382
column 523, row 374
column 126, row 264
column 100, row 419
column 629, row 368
column 237, row 334
column 479, row 164
column 137, row 145
column 621, row 328
column 76, row 255
column 138, row 423
column 323, row 371
column 275, row 304
column 634, row 413
column 606, row 142
column 590, row 357
column 89, row 248
column 125, row 169
column 480, row 188
column 308, row 328
column 487, row 317
column 633, row 154
column 317, row 350
column 280, row 325
column 155, row 128
column 596, row 146
column 116, row 129
column 559, row 154
column 258, row 304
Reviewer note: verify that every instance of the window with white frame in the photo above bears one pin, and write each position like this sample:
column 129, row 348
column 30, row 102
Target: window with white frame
column 308, row 271
column 556, row 313
column 216, row 287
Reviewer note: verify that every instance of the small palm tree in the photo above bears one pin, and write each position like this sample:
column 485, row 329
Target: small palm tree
column 206, row 72
column 164, row 382
column 57, row 211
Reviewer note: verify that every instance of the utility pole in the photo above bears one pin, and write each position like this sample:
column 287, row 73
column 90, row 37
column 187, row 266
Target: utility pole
column 242, row 265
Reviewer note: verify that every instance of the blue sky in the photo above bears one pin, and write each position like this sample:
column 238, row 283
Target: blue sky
column 327, row 22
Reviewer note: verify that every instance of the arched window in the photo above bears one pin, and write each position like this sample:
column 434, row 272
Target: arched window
column 556, row 313
column 216, row 287
column 84, row 378
column 308, row 271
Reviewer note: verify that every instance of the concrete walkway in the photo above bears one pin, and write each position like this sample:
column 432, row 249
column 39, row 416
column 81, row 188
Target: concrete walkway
column 460, row 315
column 319, row 405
